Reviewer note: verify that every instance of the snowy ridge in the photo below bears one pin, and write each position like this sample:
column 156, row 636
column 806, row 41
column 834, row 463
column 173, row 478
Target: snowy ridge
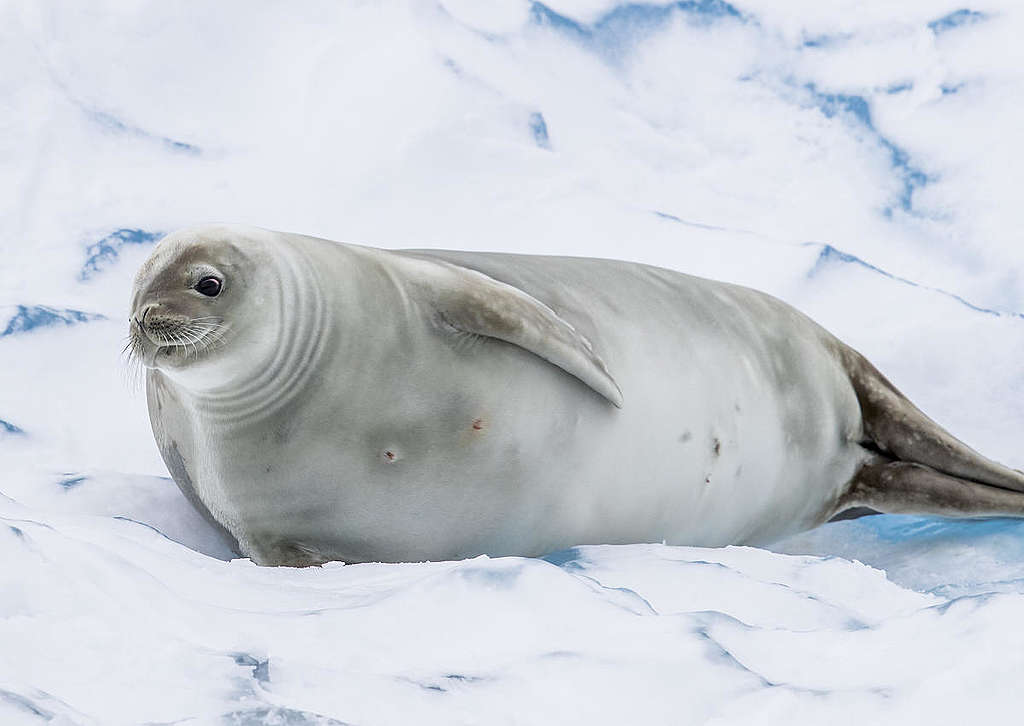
column 24, row 318
column 647, row 631
column 956, row 19
column 830, row 255
column 6, row 427
column 103, row 253
column 615, row 32
column 711, row 137
column 112, row 124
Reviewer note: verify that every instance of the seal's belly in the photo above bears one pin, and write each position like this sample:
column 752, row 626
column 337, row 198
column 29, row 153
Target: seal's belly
column 700, row 484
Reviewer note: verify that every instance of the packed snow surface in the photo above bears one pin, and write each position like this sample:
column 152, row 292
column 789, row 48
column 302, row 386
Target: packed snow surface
column 860, row 160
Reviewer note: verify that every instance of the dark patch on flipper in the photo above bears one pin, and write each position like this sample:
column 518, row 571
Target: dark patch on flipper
column 854, row 513
column 898, row 428
column 903, row 487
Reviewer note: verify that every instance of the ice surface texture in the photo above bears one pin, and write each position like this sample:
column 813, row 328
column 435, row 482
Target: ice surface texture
column 859, row 160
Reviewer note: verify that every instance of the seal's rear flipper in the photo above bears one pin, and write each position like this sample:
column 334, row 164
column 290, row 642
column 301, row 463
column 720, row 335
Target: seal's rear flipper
column 901, row 487
column 899, row 430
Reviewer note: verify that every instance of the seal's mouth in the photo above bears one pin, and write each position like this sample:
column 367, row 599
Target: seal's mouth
column 173, row 341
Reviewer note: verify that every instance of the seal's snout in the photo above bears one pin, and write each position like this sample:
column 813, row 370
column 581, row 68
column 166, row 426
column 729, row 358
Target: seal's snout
column 151, row 324
column 164, row 327
column 162, row 334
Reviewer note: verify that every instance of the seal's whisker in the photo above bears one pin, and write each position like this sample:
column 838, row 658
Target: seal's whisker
column 195, row 334
column 135, row 376
column 219, row 331
column 209, row 335
column 131, row 352
column 213, row 340
column 198, row 335
column 176, row 340
column 190, row 339
column 207, row 320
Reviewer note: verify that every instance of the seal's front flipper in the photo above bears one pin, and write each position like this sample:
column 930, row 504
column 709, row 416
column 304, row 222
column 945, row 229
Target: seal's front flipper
column 902, row 487
column 472, row 302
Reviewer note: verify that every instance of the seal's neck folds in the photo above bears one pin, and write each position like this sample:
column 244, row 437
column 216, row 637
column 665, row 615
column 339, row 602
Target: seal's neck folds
column 269, row 363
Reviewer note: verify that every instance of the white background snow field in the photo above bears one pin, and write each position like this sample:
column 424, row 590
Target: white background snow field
column 860, row 160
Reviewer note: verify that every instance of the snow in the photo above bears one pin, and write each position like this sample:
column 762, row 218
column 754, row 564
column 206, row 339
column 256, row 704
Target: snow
column 858, row 159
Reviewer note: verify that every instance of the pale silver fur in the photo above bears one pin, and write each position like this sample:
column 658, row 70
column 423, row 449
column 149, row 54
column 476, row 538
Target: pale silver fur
column 349, row 427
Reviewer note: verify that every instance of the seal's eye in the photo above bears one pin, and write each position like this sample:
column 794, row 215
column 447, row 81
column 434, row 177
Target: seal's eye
column 209, row 286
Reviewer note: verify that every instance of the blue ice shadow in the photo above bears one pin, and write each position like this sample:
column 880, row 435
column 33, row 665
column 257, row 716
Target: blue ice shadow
column 40, row 316
column 539, row 130
column 859, row 109
column 104, row 253
column 70, row 481
column 908, row 527
column 6, row 427
column 830, row 255
column 617, row 30
column 956, row 19
column 115, row 125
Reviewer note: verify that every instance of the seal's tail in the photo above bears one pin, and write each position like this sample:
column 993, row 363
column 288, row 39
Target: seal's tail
column 919, row 467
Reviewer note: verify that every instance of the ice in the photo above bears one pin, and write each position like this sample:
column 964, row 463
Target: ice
column 858, row 159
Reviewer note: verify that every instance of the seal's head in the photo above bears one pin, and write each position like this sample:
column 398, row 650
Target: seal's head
column 194, row 302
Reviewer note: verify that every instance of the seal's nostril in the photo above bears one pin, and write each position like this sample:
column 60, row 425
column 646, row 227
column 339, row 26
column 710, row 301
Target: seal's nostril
column 138, row 319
